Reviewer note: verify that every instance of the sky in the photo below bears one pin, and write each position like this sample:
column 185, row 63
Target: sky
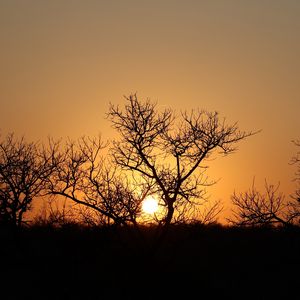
column 62, row 63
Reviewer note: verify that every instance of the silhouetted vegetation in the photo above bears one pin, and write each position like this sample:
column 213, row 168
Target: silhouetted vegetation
column 101, row 248
column 81, row 175
column 157, row 154
column 194, row 261
column 295, row 205
column 24, row 169
column 169, row 153
column 253, row 208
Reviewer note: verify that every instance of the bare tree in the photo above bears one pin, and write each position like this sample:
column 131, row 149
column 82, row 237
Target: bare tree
column 24, row 168
column 294, row 205
column 253, row 208
column 170, row 153
column 82, row 176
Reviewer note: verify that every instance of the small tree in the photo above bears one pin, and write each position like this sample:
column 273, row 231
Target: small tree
column 24, row 168
column 253, row 208
column 169, row 154
column 294, row 205
column 82, row 176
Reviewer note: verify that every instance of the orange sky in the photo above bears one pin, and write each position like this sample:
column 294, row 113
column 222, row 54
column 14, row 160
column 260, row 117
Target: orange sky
column 62, row 62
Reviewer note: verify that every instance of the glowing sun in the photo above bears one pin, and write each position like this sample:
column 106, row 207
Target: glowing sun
column 150, row 205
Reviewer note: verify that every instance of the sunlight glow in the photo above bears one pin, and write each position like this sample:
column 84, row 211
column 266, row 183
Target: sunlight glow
column 150, row 205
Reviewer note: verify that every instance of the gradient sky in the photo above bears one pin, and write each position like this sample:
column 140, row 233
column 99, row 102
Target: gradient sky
column 62, row 62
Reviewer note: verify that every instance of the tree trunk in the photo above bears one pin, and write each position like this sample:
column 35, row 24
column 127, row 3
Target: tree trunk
column 169, row 216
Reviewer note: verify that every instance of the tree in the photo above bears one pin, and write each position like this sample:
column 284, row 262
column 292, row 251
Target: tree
column 24, row 168
column 253, row 208
column 169, row 154
column 294, row 205
column 82, row 176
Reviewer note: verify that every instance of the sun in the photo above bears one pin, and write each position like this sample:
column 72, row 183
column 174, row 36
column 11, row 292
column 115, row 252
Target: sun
column 150, row 205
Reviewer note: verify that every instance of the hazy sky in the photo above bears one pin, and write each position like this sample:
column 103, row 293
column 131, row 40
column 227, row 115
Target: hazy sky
column 62, row 62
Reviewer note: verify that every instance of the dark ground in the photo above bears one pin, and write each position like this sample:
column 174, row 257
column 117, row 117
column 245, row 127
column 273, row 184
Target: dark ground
column 193, row 262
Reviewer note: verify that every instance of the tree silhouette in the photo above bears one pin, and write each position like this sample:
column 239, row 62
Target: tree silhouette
column 24, row 168
column 169, row 154
column 294, row 205
column 82, row 176
column 253, row 208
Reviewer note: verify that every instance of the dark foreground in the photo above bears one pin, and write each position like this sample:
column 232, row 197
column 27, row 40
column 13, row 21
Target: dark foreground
column 192, row 262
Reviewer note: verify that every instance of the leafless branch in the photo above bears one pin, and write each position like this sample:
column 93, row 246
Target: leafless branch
column 169, row 153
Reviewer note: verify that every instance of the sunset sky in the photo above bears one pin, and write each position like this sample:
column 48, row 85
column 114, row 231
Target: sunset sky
column 62, row 62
